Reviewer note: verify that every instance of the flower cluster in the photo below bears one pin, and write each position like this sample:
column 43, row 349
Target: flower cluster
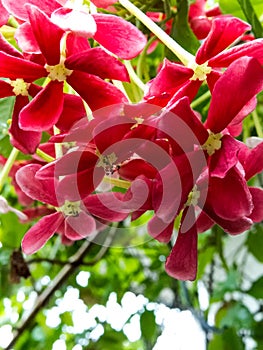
column 87, row 141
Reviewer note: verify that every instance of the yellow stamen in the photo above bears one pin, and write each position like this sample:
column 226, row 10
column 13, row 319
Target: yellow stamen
column 20, row 87
column 58, row 72
column 213, row 143
column 200, row 71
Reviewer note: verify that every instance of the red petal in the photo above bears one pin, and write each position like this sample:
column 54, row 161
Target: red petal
column 79, row 227
column 73, row 110
column 75, row 44
column 252, row 49
column 123, row 39
column 106, row 206
column 6, row 89
column 79, row 22
column 14, row 67
column 4, row 15
column 25, row 141
column 96, row 61
column 26, row 39
column 182, row 261
column 95, row 91
column 224, row 31
column 17, row 8
column 237, row 79
column 160, row 230
column 41, row 232
column 225, row 158
column 103, row 3
column 47, row 34
column 169, row 79
column 43, row 190
column 254, row 161
column 257, row 197
column 8, row 48
column 229, row 197
column 44, row 110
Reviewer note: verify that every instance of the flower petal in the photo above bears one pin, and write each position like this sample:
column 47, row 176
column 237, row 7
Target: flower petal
column 17, row 8
column 8, row 48
column 257, row 197
column 182, row 261
column 169, row 79
column 26, row 39
column 224, row 31
column 44, row 110
column 253, row 48
column 229, row 197
column 43, row 191
column 225, row 158
column 106, row 206
column 13, row 67
column 79, row 22
column 95, row 91
column 79, row 227
column 26, row 141
column 73, row 110
column 123, row 39
column 237, row 79
column 41, row 232
column 98, row 62
column 162, row 231
column 47, row 34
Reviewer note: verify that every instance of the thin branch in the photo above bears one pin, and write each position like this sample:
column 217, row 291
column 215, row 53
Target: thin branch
column 43, row 298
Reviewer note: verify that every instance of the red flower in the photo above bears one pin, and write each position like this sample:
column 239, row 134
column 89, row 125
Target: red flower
column 78, row 70
column 73, row 219
column 211, row 57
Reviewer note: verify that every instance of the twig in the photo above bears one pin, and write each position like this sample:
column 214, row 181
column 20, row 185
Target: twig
column 43, row 298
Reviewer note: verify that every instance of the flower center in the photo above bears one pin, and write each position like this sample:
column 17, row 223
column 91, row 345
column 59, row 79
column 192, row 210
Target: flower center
column 20, row 87
column 58, row 72
column 193, row 197
column 213, row 143
column 108, row 163
column 71, row 208
column 200, row 71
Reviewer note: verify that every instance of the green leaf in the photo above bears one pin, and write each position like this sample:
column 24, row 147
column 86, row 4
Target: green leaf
column 181, row 31
column 228, row 340
column 234, row 313
column 255, row 242
column 248, row 10
column 256, row 289
column 251, row 17
column 11, row 230
column 148, row 325
column 66, row 318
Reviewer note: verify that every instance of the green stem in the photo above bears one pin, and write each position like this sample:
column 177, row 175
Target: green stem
column 257, row 124
column 184, row 56
column 58, row 146
column 117, row 182
column 142, row 57
column 134, row 77
column 7, row 167
column 201, row 99
column 44, row 156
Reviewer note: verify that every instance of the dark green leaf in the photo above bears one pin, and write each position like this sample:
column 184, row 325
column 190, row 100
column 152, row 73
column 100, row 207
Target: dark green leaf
column 181, row 31
column 148, row 325
column 256, row 289
column 228, row 340
column 255, row 242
